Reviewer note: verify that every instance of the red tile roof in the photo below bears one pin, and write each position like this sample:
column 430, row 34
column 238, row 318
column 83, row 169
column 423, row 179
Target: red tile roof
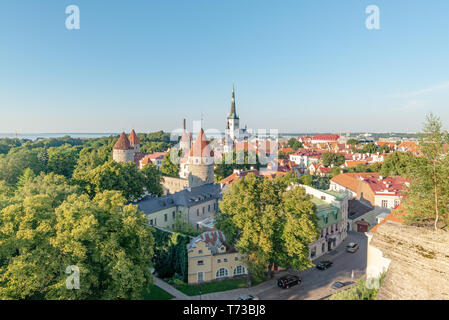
column 201, row 147
column 349, row 180
column 133, row 139
column 122, row 143
column 326, row 137
column 387, row 186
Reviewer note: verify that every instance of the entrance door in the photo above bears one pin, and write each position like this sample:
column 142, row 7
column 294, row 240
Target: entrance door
column 329, row 245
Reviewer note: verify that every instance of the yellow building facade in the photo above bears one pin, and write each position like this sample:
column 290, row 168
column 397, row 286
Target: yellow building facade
column 210, row 259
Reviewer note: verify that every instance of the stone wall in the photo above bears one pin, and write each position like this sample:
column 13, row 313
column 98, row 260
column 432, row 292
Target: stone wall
column 172, row 185
column 419, row 268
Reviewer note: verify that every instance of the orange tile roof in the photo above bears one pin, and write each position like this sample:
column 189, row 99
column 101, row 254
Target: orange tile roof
column 122, row 143
column 201, row 147
column 349, row 180
column 395, row 216
column 354, row 163
column 133, row 139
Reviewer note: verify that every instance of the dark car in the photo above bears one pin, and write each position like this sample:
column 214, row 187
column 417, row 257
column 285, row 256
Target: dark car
column 288, row 281
column 339, row 285
column 323, row 265
column 248, row 297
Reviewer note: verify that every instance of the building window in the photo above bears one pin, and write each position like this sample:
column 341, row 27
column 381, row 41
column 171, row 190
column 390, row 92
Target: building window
column 239, row 270
column 208, row 208
column 204, row 209
column 200, row 251
column 225, row 260
column 313, row 252
column 200, row 262
column 384, row 203
column 236, row 258
column 323, row 198
column 222, row 272
column 151, row 222
column 396, row 202
column 174, row 214
column 218, row 260
column 200, row 276
column 197, row 212
column 323, row 247
column 165, row 217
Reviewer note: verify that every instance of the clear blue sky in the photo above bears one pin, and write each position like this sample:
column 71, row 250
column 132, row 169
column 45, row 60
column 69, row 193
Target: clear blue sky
column 300, row 66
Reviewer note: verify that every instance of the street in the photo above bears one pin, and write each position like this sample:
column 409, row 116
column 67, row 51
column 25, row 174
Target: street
column 316, row 284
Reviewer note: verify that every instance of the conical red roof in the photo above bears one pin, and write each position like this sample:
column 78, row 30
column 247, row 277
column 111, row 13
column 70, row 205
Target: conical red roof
column 122, row 143
column 201, row 147
column 133, row 139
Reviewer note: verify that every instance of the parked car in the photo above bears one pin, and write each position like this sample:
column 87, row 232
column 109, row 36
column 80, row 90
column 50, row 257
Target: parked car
column 323, row 265
column 339, row 284
column 248, row 297
column 352, row 247
column 288, row 281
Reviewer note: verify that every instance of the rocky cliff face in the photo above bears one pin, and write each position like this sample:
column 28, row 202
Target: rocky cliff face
column 419, row 268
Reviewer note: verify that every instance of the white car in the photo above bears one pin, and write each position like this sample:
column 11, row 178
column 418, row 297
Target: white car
column 352, row 247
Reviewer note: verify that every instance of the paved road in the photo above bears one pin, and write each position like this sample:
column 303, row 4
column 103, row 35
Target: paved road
column 316, row 284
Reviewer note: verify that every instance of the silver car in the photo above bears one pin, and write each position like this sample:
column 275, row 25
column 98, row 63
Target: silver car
column 352, row 247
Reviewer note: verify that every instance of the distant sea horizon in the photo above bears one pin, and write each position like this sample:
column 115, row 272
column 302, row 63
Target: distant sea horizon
column 81, row 135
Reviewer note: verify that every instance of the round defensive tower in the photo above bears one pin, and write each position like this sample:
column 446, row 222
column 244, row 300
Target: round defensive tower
column 201, row 162
column 123, row 151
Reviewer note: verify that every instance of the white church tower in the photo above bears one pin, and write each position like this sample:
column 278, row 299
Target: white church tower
column 232, row 127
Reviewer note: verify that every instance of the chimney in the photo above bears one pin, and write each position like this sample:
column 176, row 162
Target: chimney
column 184, row 124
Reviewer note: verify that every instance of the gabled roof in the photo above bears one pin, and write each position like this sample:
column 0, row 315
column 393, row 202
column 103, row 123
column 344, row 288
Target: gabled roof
column 326, row 137
column 133, row 139
column 349, row 180
column 214, row 240
column 122, row 143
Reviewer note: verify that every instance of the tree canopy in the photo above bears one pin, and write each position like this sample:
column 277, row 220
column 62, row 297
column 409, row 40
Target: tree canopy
column 426, row 201
column 47, row 226
column 268, row 223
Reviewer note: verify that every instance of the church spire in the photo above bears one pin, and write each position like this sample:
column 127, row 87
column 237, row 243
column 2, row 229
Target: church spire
column 233, row 114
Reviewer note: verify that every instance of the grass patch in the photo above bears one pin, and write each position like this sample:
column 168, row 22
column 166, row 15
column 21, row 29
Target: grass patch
column 211, row 287
column 155, row 293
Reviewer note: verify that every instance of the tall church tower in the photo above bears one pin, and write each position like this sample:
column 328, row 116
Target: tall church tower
column 232, row 126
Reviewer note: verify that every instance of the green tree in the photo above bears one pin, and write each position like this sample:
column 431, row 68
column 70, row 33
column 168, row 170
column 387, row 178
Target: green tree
column 62, row 160
column 398, row 164
column 16, row 161
column 169, row 168
column 427, row 198
column 108, row 241
column 268, row 223
column 332, row 159
column 353, row 142
column 152, row 179
column 306, row 179
column 294, row 144
column 241, row 160
column 27, row 176
column 124, row 177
